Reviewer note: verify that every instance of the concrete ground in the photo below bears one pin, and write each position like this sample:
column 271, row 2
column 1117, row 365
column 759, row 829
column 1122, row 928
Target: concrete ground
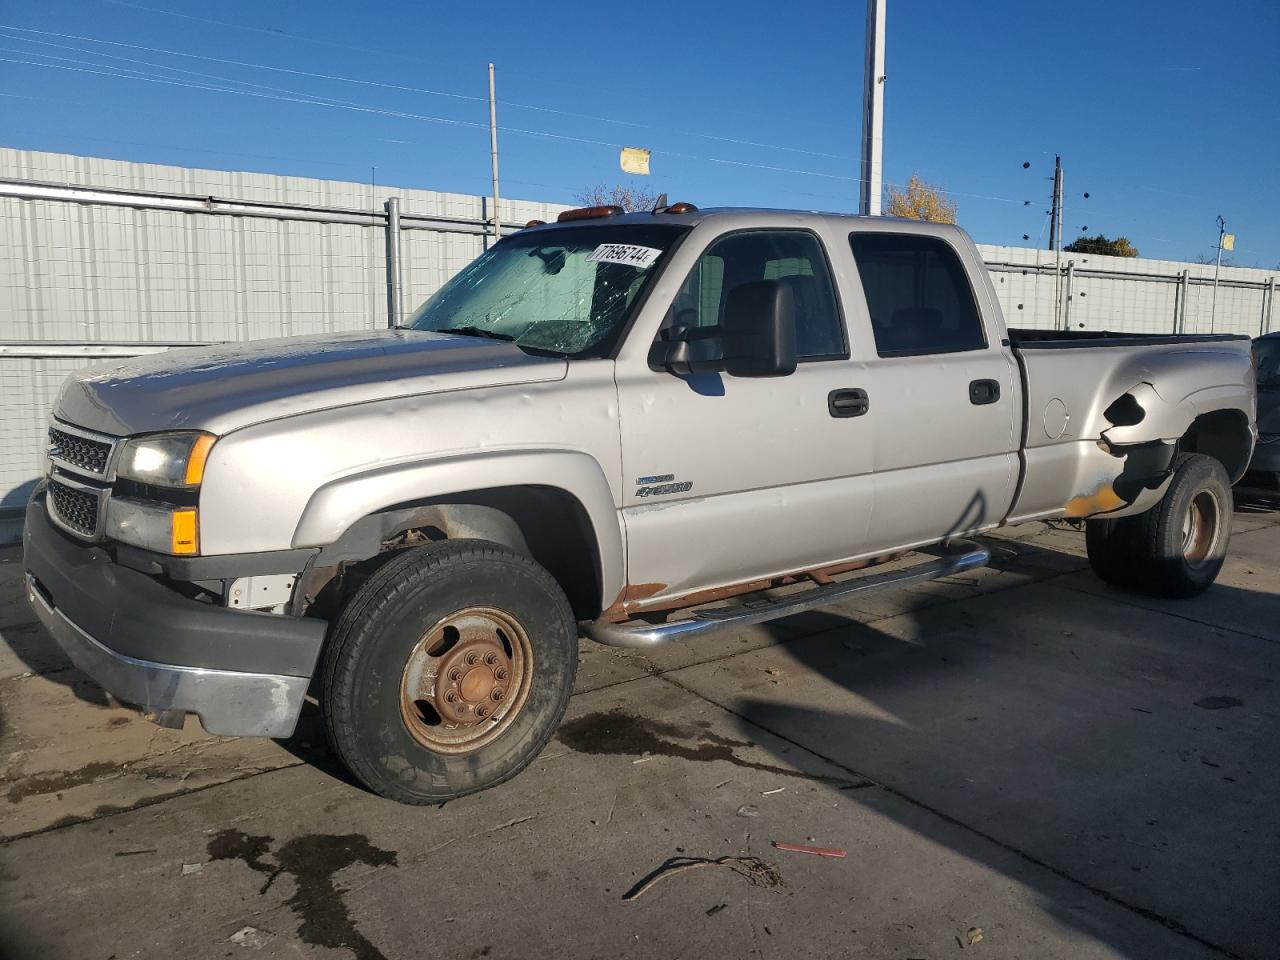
column 1019, row 762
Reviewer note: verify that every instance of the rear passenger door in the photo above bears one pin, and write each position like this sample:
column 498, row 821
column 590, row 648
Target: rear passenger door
column 943, row 392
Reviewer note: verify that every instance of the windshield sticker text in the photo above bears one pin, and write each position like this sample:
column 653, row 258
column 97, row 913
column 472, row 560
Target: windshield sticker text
column 625, row 253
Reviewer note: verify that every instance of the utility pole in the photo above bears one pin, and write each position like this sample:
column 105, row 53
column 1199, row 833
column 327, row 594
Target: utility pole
column 1055, row 211
column 1055, row 241
column 493, row 153
column 1213, row 310
column 873, row 110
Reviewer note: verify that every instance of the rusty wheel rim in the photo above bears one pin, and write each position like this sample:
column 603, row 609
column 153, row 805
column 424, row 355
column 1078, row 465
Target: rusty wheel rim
column 1200, row 529
column 466, row 680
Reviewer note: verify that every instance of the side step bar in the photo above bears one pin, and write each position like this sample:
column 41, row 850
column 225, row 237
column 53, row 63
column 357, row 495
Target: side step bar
column 960, row 555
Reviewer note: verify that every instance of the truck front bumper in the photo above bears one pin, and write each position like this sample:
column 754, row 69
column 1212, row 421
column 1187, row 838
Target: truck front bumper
column 242, row 673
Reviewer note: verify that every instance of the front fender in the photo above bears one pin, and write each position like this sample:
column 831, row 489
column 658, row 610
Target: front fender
column 338, row 504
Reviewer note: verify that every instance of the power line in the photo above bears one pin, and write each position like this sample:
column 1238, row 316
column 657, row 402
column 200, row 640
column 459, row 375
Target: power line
column 390, row 86
column 237, row 63
column 684, row 133
column 292, row 96
column 380, row 52
column 148, row 63
column 304, row 98
column 268, row 32
column 129, row 74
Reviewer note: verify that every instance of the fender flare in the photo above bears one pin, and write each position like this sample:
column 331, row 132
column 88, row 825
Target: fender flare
column 338, row 504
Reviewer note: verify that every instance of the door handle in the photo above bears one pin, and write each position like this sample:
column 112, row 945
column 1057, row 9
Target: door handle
column 984, row 391
column 848, row 403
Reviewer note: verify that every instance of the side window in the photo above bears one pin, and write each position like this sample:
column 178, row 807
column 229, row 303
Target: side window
column 918, row 296
column 793, row 256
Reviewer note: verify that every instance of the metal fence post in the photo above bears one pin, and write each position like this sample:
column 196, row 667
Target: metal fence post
column 1066, row 307
column 1177, row 304
column 1268, row 305
column 393, row 261
column 1180, row 310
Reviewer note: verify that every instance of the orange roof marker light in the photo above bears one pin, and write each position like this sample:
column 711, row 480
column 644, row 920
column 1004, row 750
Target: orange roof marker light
column 679, row 208
column 590, row 213
column 535, row 223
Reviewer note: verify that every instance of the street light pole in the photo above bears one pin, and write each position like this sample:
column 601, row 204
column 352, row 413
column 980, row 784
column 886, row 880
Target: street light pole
column 873, row 110
column 493, row 154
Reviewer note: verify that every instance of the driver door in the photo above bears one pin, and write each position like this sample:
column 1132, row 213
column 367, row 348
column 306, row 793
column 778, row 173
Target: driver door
column 731, row 479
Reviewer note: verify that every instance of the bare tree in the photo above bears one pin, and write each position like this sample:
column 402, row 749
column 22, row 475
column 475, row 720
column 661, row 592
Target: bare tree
column 1210, row 260
column 630, row 199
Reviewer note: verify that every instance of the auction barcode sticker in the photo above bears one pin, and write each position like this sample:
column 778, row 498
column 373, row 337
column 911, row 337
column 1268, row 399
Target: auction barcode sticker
column 628, row 253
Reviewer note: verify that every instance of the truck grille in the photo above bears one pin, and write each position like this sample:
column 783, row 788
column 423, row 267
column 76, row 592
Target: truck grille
column 75, row 509
column 88, row 455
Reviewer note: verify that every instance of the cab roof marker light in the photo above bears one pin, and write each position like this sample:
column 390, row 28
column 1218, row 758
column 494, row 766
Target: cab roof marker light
column 681, row 207
column 590, row 213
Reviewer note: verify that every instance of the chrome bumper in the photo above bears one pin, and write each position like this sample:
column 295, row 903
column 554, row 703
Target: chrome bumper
column 228, row 702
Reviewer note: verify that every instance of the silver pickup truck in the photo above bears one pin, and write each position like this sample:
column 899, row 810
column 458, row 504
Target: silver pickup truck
column 617, row 426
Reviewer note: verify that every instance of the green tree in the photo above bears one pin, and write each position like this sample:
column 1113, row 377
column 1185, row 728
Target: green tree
column 1119, row 247
column 921, row 201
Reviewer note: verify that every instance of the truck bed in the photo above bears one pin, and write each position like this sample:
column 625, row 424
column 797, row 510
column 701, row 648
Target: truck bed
column 1026, row 339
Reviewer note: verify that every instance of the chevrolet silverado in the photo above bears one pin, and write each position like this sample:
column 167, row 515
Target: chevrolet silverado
column 629, row 427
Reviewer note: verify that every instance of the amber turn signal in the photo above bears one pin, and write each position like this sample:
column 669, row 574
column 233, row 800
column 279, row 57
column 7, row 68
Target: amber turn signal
column 186, row 539
column 197, row 458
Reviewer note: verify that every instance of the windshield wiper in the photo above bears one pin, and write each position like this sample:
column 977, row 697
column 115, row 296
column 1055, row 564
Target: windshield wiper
column 476, row 332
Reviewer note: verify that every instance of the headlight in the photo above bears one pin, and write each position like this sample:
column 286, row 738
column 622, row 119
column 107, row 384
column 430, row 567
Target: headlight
column 166, row 459
column 153, row 526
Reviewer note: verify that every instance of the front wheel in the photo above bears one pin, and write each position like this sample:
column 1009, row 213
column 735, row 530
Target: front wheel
column 1176, row 548
column 448, row 671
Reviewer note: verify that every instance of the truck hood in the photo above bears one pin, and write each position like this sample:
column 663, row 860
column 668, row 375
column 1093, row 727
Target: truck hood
column 223, row 388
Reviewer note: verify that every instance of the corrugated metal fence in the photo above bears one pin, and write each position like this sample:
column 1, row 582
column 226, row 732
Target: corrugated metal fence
column 102, row 258
column 1129, row 294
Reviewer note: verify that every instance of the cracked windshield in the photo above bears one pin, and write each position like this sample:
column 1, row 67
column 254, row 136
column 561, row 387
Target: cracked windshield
column 565, row 291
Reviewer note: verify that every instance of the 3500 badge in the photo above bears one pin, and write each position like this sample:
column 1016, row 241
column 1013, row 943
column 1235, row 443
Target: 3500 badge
column 662, row 485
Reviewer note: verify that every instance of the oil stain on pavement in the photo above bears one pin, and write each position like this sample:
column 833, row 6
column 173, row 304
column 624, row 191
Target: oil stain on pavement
column 618, row 732
column 62, row 780
column 311, row 860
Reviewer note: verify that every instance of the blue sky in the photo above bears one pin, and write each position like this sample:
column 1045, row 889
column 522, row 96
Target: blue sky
column 1166, row 114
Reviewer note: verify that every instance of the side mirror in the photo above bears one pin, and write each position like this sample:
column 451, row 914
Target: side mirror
column 756, row 339
column 683, row 349
column 759, row 330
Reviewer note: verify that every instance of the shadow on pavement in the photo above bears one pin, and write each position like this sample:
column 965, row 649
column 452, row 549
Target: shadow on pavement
column 1115, row 746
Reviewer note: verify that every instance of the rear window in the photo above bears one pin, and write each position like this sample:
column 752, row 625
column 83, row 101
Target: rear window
column 918, row 295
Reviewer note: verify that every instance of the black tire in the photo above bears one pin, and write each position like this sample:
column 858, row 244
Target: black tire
column 1112, row 549
column 383, row 628
column 1176, row 548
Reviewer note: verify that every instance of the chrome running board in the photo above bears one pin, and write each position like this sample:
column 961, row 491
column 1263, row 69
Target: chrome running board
column 960, row 555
